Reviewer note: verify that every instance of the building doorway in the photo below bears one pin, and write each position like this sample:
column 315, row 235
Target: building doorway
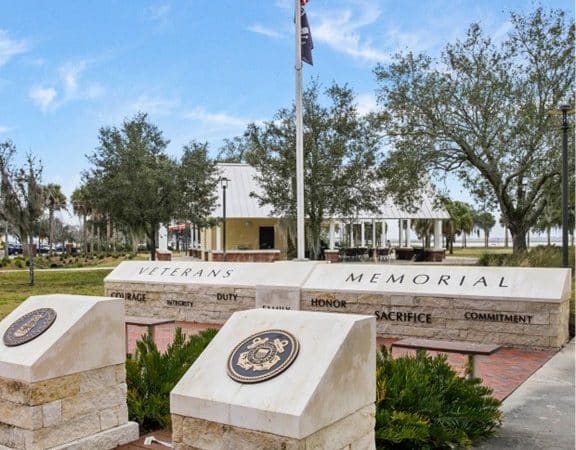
column 266, row 238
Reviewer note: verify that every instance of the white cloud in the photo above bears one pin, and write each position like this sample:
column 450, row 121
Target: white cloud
column 366, row 103
column 153, row 105
column 4, row 129
column 340, row 29
column 218, row 119
column 10, row 48
column 159, row 13
column 43, row 96
column 69, row 87
column 259, row 29
column 70, row 74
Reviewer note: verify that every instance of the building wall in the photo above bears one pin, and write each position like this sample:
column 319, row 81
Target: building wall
column 243, row 234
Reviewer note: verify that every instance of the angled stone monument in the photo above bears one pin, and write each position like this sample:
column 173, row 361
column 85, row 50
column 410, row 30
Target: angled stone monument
column 62, row 375
column 280, row 380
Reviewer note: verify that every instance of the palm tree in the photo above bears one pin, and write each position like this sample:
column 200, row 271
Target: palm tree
column 461, row 221
column 82, row 207
column 484, row 221
column 54, row 200
column 423, row 228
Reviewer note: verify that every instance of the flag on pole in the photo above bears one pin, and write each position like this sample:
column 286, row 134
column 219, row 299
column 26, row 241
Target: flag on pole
column 305, row 36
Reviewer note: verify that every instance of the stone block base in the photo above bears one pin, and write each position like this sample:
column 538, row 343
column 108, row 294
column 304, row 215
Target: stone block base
column 354, row 432
column 105, row 440
column 60, row 411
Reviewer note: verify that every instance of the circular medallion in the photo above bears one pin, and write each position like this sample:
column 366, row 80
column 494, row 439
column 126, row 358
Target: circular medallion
column 262, row 356
column 29, row 326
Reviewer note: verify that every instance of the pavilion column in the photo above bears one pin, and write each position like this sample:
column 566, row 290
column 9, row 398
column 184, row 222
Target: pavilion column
column 351, row 234
column 407, row 233
column 383, row 235
column 331, row 235
column 218, row 238
column 399, row 232
column 438, row 234
column 205, row 241
column 374, row 252
column 362, row 235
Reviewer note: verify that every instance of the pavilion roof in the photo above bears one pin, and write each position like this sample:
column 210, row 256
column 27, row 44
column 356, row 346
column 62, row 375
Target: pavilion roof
column 240, row 204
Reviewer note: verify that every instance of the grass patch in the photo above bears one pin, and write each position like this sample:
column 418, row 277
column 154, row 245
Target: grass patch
column 14, row 288
column 477, row 252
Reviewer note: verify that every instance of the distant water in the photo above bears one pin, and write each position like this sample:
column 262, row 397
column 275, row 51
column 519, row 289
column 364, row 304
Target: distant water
column 535, row 241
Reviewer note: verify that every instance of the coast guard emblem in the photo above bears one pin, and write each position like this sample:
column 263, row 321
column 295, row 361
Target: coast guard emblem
column 262, row 356
column 29, row 326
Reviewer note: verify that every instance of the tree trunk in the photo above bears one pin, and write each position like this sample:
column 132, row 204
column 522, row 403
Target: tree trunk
column 314, row 246
column 84, row 235
column 51, row 231
column 31, row 261
column 98, row 239
column 506, row 237
column 549, row 236
column 486, row 238
column 518, row 241
column 152, row 237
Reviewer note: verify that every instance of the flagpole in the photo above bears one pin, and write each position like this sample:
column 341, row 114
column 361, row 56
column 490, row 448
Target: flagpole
column 299, row 137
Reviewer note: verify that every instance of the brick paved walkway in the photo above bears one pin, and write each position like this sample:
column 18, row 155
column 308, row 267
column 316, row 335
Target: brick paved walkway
column 503, row 371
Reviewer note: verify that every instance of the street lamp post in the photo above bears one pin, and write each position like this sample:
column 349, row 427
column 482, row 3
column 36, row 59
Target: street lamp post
column 564, row 206
column 224, row 183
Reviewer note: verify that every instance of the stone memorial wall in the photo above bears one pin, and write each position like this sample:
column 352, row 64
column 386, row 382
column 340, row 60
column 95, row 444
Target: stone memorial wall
column 62, row 375
column 203, row 291
column 510, row 306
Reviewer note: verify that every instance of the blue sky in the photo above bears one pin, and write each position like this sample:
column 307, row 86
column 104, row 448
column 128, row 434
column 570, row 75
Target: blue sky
column 201, row 69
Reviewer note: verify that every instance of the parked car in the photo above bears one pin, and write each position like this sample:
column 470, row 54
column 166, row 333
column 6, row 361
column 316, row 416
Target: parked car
column 15, row 249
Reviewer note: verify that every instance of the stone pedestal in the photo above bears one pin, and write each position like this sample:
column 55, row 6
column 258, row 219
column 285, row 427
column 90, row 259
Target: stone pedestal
column 246, row 255
column 331, row 256
column 163, row 255
column 66, row 388
column 323, row 399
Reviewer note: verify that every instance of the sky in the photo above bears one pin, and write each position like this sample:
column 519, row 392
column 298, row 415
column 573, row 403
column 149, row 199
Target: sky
column 201, row 69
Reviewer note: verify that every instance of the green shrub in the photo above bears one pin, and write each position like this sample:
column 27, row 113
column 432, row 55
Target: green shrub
column 421, row 403
column 541, row 256
column 151, row 376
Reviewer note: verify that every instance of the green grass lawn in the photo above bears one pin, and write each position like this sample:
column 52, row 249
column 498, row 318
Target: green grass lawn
column 14, row 288
column 479, row 251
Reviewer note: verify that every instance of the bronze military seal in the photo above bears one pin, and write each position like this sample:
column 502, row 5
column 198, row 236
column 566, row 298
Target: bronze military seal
column 262, row 356
column 29, row 326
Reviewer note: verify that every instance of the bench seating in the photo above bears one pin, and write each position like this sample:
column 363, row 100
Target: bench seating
column 149, row 322
column 472, row 349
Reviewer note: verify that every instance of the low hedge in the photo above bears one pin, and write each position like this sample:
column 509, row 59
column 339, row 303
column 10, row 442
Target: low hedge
column 422, row 403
